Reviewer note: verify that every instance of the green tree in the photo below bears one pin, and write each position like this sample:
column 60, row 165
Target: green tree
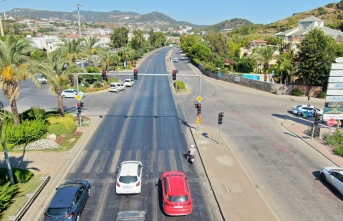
column 119, row 37
column 217, row 41
column 187, row 41
column 284, row 65
column 61, row 71
column 264, row 55
column 15, row 66
column 88, row 45
column 157, row 39
column 315, row 58
column 138, row 41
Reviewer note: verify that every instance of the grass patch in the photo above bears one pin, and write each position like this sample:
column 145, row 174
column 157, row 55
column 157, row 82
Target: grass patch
column 20, row 200
column 67, row 141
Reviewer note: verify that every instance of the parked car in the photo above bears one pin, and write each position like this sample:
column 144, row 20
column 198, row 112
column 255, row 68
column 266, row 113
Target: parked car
column 41, row 79
column 176, row 60
column 129, row 177
column 176, row 195
column 132, row 216
column 71, row 93
column 116, row 87
column 129, row 82
column 68, row 201
column 334, row 176
column 305, row 109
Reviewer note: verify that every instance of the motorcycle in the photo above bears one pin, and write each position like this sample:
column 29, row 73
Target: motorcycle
column 191, row 159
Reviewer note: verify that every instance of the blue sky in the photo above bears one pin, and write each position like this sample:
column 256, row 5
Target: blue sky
column 201, row 12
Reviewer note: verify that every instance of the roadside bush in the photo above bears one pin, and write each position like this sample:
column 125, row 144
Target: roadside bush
column 179, row 85
column 86, row 84
column 7, row 193
column 19, row 175
column 297, row 92
column 97, row 84
column 34, row 113
column 322, row 95
column 61, row 125
column 26, row 132
column 335, row 140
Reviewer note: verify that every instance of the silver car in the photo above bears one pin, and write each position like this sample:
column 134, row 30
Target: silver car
column 334, row 176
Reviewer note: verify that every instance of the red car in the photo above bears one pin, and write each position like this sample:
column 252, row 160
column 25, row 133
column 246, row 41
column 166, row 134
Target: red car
column 177, row 199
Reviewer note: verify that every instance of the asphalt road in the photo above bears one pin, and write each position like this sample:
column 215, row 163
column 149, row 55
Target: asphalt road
column 283, row 168
column 147, row 123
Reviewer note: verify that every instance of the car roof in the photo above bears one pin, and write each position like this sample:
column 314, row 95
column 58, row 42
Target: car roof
column 176, row 182
column 64, row 195
column 129, row 168
column 128, row 79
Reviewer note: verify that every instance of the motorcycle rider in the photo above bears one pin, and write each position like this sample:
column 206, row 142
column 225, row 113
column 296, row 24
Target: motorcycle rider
column 191, row 151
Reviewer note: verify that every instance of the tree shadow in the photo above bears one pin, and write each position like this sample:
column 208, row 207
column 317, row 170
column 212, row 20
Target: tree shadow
column 18, row 162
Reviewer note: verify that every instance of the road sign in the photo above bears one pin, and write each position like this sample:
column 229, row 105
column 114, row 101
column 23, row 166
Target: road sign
column 198, row 120
column 78, row 97
column 331, row 122
column 199, row 98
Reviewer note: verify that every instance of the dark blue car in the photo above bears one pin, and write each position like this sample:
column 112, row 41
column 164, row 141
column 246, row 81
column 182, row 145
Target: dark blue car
column 68, row 201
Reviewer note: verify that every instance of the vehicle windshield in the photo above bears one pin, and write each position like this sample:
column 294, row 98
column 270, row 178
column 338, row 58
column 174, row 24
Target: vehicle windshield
column 58, row 211
column 128, row 179
column 177, row 198
column 127, row 80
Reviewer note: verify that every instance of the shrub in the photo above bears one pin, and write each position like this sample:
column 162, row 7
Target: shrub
column 297, row 92
column 335, row 140
column 26, row 132
column 7, row 193
column 97, row 84
column 61, row 125
column 322, row 94
column 34, row 113
column 179, row 85
column 19, row 175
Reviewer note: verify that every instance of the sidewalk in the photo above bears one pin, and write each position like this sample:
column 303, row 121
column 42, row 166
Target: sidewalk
column 318, row 144
column 228, row 179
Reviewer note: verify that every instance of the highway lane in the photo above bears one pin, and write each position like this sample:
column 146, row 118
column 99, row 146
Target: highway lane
column 283, row 168
column 141, row 124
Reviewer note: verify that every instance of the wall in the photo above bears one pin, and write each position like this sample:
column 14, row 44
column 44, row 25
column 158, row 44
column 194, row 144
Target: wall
column 273, row 88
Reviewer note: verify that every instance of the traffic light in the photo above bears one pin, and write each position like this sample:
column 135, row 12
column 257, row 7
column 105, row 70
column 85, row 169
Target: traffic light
column 103, row 75
column 316, row 118
column 79, row 110
column 174, row 74
column 220, row 117
column 81, row 104
column 198, row 107
column 135, row 74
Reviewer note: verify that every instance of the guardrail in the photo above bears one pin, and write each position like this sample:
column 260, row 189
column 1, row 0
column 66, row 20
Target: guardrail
column 32, row 197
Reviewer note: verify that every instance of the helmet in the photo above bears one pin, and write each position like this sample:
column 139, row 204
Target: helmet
column 192, row 146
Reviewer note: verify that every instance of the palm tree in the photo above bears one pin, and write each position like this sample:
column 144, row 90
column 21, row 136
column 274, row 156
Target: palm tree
column 15, row 66
column 284, row 65
column 88, row 45
column 264, row 55
column 60, row 67
column 72, row 49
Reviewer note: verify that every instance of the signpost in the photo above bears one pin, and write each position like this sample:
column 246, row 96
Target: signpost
column 78, row 98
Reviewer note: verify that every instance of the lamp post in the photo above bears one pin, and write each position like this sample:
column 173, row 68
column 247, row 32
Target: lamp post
column 1, row 29
column 78, row 15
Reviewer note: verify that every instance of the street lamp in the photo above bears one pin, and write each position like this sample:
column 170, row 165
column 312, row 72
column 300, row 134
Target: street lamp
column 2, row 30
column 78, row 14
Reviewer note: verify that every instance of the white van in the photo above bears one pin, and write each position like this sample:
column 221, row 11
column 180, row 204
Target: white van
column 116, row 87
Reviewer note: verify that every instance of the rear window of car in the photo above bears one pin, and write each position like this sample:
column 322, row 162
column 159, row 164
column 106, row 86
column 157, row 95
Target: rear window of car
column 128, row 179
column 178, row 198
column 127, row 80
column 58, row 211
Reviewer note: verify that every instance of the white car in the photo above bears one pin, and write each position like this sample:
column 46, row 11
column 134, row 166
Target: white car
column 302, row 109
column 176, row 60
column 116, row 87
column 129, row 82
column 129, row 178
column 41, row 78
column 71, row 93
column 334, row 176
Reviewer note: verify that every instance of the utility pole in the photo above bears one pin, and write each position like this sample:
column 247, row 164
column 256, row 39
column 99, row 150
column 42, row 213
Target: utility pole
column 78, row 15
column 1, row 29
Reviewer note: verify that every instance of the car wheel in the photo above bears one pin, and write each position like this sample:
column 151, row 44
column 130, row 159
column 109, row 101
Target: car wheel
column 63, row 96
column 322, row 176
